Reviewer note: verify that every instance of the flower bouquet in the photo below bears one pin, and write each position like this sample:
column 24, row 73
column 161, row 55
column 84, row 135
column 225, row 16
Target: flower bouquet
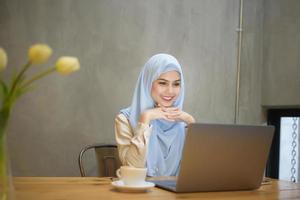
column 18, row 85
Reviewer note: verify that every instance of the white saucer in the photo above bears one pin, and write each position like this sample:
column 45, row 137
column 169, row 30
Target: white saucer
column 136, row 188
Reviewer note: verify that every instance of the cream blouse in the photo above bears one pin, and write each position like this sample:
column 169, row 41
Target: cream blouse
column 132, row 144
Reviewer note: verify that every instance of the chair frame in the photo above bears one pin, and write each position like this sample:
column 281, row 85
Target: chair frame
column 83, row 150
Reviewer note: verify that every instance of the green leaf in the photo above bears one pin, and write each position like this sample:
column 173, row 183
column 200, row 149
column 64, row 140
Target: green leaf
column 3, row 90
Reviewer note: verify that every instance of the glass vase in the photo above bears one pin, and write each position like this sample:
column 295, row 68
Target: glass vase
column 6, row 183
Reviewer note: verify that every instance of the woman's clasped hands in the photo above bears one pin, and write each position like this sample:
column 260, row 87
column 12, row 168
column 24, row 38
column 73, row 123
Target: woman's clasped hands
column 167, row 113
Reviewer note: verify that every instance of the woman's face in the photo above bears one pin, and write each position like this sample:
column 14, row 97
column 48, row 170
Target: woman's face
column 166, row 88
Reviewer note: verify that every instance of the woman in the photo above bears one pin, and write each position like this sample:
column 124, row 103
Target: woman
column 150, row 133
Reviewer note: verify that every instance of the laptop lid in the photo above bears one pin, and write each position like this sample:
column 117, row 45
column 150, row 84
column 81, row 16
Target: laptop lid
column 224, row 157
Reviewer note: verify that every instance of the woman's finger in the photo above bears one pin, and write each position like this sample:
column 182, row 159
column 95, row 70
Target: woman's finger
column 168, row 119
column 170, row 109
column 177, row 116
column 173, row 113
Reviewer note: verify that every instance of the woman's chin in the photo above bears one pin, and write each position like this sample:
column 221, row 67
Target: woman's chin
column 168, row 104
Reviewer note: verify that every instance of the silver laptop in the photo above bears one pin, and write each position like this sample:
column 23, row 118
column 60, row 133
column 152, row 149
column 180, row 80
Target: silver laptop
column 222, row 157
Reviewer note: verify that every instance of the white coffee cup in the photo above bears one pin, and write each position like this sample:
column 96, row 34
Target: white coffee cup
column 132, row 176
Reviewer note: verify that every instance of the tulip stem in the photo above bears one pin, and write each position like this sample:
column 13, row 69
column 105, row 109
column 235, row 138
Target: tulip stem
column 39, row 76
column 26, row 66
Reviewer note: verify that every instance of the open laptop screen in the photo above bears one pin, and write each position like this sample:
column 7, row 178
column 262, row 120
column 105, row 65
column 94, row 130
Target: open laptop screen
column 219, row 157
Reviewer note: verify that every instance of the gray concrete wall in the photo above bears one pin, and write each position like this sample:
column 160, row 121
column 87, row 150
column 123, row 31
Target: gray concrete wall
column 113, row 39
column 250, row 110
column 281, row 82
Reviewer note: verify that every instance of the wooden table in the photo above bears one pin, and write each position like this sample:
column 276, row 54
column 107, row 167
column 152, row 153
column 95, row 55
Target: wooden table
column 73, row 188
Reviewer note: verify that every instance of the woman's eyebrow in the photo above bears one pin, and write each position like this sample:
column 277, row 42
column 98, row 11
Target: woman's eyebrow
column 162, row 79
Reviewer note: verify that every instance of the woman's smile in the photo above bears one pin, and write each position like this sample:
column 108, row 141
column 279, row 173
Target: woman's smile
column 167, row 98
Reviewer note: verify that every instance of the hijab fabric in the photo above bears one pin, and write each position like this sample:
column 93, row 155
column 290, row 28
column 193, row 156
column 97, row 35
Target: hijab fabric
column 167, row 138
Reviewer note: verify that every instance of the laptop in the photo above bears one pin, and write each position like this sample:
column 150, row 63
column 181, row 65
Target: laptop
column 219, row 157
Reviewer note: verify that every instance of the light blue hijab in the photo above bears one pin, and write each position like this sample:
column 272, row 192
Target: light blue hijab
column 167, row 138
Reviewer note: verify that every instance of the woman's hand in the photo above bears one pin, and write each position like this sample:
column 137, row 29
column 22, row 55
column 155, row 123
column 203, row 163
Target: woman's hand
column 152, row 114
column 175, row 114
column 166, row 113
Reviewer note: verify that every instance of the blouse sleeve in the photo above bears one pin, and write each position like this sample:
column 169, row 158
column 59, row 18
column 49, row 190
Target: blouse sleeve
column 132, row 144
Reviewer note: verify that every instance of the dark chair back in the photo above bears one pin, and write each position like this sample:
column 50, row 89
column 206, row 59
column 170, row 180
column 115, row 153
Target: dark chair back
column 107, row 159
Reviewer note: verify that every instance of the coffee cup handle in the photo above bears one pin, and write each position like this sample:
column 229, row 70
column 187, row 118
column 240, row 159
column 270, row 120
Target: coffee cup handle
column 118, row 172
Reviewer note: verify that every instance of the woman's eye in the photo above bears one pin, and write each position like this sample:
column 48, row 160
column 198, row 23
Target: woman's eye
column 177, row 84
column 162, row 83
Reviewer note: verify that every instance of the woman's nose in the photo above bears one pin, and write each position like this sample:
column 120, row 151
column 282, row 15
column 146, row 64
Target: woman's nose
column 170, row 89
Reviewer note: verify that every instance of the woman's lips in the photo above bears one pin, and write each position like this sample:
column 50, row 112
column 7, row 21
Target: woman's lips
column 167, row 98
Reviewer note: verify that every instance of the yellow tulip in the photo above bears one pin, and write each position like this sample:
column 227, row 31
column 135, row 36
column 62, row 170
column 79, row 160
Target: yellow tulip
column 66, row 65
column 39, row 53
column 3, row 59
